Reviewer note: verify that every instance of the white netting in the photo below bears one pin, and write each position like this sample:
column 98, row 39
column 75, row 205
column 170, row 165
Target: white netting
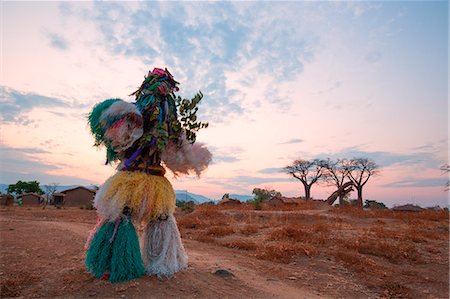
column 163, row 253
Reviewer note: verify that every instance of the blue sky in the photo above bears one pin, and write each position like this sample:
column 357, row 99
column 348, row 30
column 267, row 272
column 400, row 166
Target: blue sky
column 282, row 81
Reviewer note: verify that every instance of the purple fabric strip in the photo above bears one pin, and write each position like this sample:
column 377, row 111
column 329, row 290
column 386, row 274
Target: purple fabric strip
column 133, row 157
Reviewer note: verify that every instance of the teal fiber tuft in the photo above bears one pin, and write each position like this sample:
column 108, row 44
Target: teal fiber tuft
column 121, row 258
column 94, row 120
column 126, row 261
column 98, row 256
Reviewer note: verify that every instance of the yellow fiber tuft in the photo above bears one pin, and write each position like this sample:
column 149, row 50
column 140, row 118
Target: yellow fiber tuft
column 148, row 196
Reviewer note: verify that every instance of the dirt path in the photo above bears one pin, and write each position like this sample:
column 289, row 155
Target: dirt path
column 42, row 259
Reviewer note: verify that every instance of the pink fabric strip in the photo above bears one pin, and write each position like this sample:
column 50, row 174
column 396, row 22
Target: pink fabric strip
column 115, row 230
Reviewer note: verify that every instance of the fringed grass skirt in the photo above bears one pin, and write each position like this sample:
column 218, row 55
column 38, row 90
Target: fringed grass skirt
column 151, row 200
column 148, row 197
column 163, row 252
column 115, row 251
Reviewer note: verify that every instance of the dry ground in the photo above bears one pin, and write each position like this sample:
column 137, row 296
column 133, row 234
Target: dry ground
column 303, row 252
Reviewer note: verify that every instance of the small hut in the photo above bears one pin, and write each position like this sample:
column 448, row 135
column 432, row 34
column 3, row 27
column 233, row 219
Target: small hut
column 407, row 208
column 78, row 196
column 6, row 200
column 58, row 199
column 31, row 199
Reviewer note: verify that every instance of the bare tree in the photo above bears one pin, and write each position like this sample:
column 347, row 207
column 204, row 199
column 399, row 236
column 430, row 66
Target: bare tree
column 359, row 171
column 307, row 172
column 336, row 174
column 50, row 189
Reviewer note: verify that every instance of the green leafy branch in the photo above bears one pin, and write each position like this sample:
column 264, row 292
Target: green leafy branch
column 188, row 116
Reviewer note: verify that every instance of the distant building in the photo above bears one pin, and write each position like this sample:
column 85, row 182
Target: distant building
column 6, row 200
column 58, row 199
column 31, row 199
column 407, row 208
column 78, row 196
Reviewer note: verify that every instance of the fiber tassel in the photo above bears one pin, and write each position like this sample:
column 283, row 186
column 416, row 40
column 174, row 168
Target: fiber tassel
column 121, row 258
column 164, row 254
column 99, row 223
column 126, row 260
column 98, row 256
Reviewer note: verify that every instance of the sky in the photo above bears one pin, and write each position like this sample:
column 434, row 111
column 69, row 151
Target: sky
column 281, row 81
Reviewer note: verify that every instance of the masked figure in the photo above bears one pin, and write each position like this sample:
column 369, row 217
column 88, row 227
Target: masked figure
column 136, row 231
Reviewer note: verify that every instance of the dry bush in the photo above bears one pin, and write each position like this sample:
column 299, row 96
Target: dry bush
column 204, row 238
column 393, row 251
column 300, row 206
column 317, row 234
column 203, row 217
column 190, row 221
column 297, row 233
column 351, row 211
column 355, row 261
column 218, row 231
column 434, row 215
column 249, row 229
column 425, row 234
column 242, row 244
column 283, row 252
column 380, row 233
column 322, row 227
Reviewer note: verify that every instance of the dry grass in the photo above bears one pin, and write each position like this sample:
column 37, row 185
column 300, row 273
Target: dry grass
column 241, row 244
column 283, row 252
column 249, row 229
column 369, row 244
column 394, row 251
column 219, row 231
column 355, row 261
column 295, row 233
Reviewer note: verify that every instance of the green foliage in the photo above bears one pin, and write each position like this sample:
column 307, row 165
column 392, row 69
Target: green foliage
column 262, row 195
column 188, row 116
column 226, row 195
column 373, row 204
column 25, row 187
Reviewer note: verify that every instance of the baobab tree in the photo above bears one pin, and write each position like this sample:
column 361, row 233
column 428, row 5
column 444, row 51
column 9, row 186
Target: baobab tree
column 359, row 171
column 336, row 174
column 307, row 172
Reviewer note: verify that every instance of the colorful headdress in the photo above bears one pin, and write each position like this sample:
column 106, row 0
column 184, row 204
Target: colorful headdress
column 158, row 126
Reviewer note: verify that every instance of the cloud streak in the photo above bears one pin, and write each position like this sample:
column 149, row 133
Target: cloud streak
column 21, row 164
column 293, row 141
column 182, row 35
column 418, row 183
column 226, row 155
column 57, row 41
column 15, row 104
column 385, row 159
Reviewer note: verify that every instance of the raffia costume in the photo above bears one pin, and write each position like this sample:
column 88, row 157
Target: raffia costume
column 136, row 232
